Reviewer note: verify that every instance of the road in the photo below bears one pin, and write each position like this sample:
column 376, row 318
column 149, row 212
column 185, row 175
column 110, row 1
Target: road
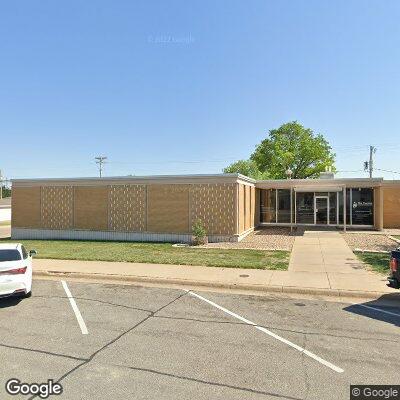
column 159, row 343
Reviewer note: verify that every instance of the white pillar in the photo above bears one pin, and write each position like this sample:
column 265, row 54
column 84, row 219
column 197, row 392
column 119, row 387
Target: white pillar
column 291, row 209
column 344, row 209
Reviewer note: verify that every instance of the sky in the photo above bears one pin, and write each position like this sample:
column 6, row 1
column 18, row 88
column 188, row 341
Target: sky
column 181, row 87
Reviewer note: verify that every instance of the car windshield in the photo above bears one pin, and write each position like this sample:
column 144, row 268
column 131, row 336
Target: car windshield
column 10, row 255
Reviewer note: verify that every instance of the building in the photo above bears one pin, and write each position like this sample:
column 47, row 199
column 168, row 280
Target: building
column 164, row 208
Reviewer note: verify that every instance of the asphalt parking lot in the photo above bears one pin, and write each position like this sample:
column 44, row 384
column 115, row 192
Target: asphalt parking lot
column 158, row 343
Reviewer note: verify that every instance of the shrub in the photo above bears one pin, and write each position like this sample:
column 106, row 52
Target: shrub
column 199, row 233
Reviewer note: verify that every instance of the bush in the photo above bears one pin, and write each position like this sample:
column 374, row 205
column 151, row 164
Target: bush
column 199, row 233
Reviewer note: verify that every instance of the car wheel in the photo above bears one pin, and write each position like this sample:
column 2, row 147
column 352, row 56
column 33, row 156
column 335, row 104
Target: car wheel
column 26, row 295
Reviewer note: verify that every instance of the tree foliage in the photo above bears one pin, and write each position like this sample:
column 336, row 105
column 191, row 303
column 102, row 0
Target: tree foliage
column 296, row 147
column 6, row 192
column 246, row 167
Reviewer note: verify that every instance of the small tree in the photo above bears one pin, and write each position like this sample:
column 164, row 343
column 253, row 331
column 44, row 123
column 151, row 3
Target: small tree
column 199, row 233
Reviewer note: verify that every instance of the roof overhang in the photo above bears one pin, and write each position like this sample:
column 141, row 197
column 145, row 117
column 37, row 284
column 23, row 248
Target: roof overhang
column 304, row 189
column 319, row 184
column 129, row 180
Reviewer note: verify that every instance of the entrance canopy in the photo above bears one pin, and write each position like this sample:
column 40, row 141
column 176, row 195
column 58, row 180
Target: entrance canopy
column 305, row 189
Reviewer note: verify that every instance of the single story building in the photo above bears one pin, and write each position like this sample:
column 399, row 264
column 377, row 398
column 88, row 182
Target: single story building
column 164, row 208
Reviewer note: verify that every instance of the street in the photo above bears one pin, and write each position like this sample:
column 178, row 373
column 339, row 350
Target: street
column 158, row 343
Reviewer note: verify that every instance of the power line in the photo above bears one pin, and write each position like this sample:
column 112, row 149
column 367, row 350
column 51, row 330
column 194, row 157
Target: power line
column 174, row 162
column 339, row 172
column 385, row 170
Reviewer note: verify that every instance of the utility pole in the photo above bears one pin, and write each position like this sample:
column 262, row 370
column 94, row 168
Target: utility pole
column 372, row 151
column 369, row 165
column 100, row 160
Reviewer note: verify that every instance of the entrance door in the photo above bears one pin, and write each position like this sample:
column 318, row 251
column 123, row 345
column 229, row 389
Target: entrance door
column 321, row 210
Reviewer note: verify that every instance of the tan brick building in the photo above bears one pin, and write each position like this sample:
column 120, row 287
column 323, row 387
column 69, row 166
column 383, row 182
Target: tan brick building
column 164, row 208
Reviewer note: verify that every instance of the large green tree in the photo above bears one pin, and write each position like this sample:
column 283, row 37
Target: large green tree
column 246, row 167
column 296, row 147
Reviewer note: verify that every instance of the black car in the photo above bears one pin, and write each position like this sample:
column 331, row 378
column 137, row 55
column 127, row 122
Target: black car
column 394, row 278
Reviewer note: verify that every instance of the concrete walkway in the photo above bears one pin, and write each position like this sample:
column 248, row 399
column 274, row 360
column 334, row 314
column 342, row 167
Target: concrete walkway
column 324, row 251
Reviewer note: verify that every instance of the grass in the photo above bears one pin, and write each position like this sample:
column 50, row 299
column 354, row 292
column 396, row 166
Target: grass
column 379, row 262
column 5, row 223
column 157, row 253
column 396, row 236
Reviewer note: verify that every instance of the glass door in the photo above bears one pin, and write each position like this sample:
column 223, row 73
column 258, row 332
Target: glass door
column 321, row 209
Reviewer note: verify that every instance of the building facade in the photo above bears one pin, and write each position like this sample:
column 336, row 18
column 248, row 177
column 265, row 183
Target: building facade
column 164, row 208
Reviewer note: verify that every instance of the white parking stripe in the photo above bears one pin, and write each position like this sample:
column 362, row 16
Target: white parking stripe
column 275, row 336
column 78, row 314
column 377, row 309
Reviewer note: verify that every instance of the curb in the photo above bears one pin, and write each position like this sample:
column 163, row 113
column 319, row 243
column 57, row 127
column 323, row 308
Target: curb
column 213, row 285
column 394, row 239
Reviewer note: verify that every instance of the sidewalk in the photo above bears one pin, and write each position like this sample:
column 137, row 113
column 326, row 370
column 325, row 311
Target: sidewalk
column 339, row 284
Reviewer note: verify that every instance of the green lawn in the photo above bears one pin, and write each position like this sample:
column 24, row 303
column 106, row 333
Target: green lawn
column 397, row 237
column 5, row 223
column 379, row 262
column 158, row 253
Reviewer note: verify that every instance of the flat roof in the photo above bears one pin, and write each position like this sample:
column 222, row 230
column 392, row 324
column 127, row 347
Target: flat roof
column 193, row 178
column 207, row 178
column 324, row 183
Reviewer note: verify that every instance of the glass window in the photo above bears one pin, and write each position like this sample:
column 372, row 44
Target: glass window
column 9, row 255
column 348, row 217
column 362, row 206
column 268, row 205
column 332, row 208
column 284, row 206
column 305, row 208
column 24, row 253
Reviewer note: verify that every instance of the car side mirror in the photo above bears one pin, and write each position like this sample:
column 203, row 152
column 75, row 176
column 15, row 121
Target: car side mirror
column 33, row 253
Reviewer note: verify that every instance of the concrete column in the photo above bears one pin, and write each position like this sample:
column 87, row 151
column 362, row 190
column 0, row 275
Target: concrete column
column 378, row 208
column 344, row 209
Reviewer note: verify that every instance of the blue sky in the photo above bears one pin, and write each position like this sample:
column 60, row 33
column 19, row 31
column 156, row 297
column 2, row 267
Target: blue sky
column 168, row 87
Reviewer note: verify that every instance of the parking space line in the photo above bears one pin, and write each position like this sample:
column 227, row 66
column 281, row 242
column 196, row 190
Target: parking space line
column 268, row 332
column 78, row 314
column 378, row 309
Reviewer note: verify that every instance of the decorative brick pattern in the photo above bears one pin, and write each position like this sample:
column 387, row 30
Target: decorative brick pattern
column 57, row 210
column 127, row 211
column 214, row 205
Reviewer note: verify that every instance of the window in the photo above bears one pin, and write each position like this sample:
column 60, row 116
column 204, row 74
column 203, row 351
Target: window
column 284, row 206
column 305, row 208
column 359, row 206
column 268, row 205
column 332, row 208
column 9, row 255
column 24, row 253
column 362, row 206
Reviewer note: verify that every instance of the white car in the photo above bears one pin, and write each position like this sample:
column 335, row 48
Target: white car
column 15, row 270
